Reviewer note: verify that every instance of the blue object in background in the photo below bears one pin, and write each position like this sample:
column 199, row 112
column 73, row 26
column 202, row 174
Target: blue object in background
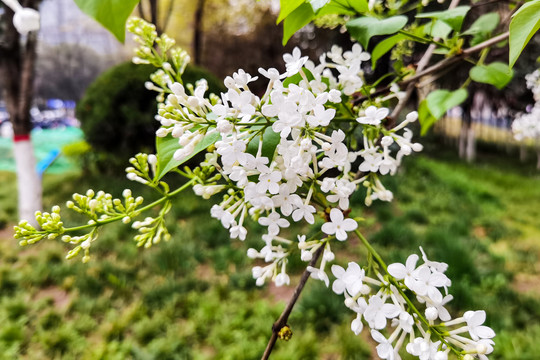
column 47, row 161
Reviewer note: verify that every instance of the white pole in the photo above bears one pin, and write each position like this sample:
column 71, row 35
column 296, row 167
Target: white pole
column 28, row 181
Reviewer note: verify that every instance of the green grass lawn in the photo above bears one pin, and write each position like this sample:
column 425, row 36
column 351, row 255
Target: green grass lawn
column 193, row 297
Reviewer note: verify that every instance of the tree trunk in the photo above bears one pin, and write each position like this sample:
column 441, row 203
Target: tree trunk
column 17, row 72
column 471, row 145
column 522, row 153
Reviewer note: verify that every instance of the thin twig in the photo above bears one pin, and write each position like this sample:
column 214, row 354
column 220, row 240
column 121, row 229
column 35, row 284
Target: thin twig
column 282, row 321
column 441, row 65
column 424, row 61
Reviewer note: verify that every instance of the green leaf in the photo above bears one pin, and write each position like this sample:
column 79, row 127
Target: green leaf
column 297, row 20
column 453, row 17
column 112, row 14
column 385, row 46
column 335, row 7
column 286, row 7
column 525, row 23
column 438, row 29
column 484, row 24
column 440, row 101
column 425, row 118
column 166, row 147
column 482, row 28
column 271, row 140
column 497, row 74
column 360, row 6
column 364, row 28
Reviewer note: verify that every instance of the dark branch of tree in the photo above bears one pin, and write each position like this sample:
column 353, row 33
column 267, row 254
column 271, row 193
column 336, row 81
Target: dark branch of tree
column 154, row 15
column 198, row 32
column 282, row 321
column 140, row 9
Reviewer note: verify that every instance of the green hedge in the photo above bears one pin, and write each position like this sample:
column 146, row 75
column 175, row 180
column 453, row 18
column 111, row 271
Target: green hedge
column 117, row 111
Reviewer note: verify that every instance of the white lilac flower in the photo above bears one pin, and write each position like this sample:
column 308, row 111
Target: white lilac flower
column 373, row 116
column 475, row 319
column 338, row 225
column 238, row 231
column 318, row 274
column 274, row 222
column 427, row 283
column 377, row 312
column 321, row 116
column 294, row 61
column 282, row 279
column 384, row 349
column 269, row 182
column 306, row 212
column 405, row 272
column 350, row 279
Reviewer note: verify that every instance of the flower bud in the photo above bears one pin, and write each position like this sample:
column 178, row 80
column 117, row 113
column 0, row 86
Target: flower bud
column 441, row 355
column 350, row 303
column 26, row 20
column 252, row 253
column 432, row 313
column 412, row 116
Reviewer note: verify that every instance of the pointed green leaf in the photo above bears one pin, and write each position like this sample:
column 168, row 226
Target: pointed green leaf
column 525, row 23
column 364, row 28
column 286, row 7
column 482, row 28
column 336, row 7
column 453, row 17
column 438, row 29
column 440, row 101
column 425, row 118
column 497, row 74
column 484, row 24
column 385, row 46
column 360, row 6
column 271, row 140
column 297, row 20
column 166, row 147
column 112, row 14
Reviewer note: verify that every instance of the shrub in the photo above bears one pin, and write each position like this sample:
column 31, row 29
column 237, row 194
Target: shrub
column 117, row 111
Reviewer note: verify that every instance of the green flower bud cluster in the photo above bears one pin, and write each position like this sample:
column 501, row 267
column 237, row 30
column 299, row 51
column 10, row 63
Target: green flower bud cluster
column 144, row 170
column 101, row 206
column 50, row 223
column 203, row 174
column 158, row 51
column 83, row 243
column 152, row 230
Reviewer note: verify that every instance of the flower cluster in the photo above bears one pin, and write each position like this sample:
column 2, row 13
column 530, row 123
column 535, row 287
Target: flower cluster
column 527, row 126
column 381, row 302
column 288, row 152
